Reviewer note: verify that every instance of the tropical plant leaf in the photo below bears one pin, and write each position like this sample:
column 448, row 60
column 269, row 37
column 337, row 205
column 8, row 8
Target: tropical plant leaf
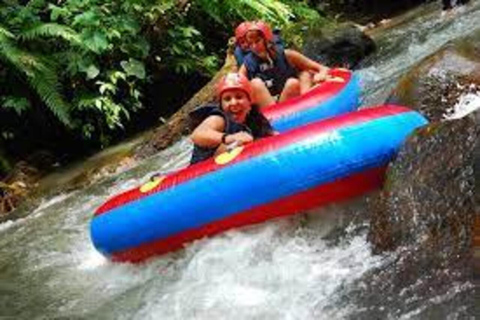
column 86, row 19
column 134, row 68
column 53, row 30
column 47, row 86
column 5, row 34
column 96, row 41
column 18, row 104
column 92, row 71
column 57, row 12
column 270, row 10
column 40, row 74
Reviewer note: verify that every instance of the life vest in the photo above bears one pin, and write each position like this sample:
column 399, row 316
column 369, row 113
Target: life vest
column 240, row 54
column 274, row 73
column 256, row 125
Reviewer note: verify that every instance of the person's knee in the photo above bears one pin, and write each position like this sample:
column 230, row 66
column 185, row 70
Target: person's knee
column 258, row 84
column 261, row 95
column 305, row 76
column 292, row 84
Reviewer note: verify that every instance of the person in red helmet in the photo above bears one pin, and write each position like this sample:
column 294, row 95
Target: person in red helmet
column 240, row 33
column 277, row 73
column 241, row 45
column 234, row 120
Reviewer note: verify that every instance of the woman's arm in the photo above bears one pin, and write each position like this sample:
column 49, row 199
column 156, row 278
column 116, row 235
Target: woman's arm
column 303, row 63
column 238, row 139
column 209, row 133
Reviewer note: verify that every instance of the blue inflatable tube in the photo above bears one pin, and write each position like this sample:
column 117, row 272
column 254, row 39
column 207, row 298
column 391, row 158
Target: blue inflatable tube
column 306, row 167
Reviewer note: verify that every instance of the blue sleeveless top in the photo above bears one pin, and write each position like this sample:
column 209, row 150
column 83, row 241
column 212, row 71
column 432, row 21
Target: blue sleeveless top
column 256, row 125
column 275, row 74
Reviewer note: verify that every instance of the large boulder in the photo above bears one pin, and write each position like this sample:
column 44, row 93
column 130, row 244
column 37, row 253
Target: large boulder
column 436, row 84
column 425, row 214
column 428, row 201
column 343, row 46
column 428, row 197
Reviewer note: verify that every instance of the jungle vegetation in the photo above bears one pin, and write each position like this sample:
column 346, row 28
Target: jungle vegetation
column 82, row 67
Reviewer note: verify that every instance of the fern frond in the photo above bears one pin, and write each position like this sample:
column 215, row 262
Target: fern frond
column 270, row 10
column 47, row 87
column 53, row 30
column 41, row 76
column 5, row 33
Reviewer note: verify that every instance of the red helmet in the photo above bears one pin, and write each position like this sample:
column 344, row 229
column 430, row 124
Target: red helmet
column 242, row 30
column 234, row 81
column 264, row 28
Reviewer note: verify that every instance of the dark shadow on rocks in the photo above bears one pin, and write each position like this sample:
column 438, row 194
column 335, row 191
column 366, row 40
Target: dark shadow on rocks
column 365, row 11
column 344, row 46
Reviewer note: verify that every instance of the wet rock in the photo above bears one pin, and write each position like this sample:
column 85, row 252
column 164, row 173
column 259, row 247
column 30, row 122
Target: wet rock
column 345, row 46
column 424, row 218
column 408, row 286
column 16, row 187
column 426, row 214
column 436, row 84
column 428, row 197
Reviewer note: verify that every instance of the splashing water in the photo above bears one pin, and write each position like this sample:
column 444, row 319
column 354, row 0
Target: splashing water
column 466, row 104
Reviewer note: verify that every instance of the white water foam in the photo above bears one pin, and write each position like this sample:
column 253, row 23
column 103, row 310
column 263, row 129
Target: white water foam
column 268, row 272
column 466, row 104
column 38, row 212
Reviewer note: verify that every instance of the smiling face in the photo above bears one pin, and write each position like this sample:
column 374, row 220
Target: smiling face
column 256, row 43
column 235, row 102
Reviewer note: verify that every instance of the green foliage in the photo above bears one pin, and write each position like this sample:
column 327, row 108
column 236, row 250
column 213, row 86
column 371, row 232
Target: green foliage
column 87, row 61
column 133, row 68
column 38, row 71
column 224, row 10
column 52, row 30
column 186, row 51
column 17, row 104
column 5, row 165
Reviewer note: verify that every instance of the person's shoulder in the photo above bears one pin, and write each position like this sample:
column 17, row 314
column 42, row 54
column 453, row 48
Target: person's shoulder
column 202, row 112
column 291, row 52
column 293, row 56
column 251, row 62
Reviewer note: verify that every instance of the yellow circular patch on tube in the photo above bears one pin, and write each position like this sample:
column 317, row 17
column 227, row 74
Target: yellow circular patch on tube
column 228, row 156
column 152, row 184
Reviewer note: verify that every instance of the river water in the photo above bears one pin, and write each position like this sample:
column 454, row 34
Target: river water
column 296, row 268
